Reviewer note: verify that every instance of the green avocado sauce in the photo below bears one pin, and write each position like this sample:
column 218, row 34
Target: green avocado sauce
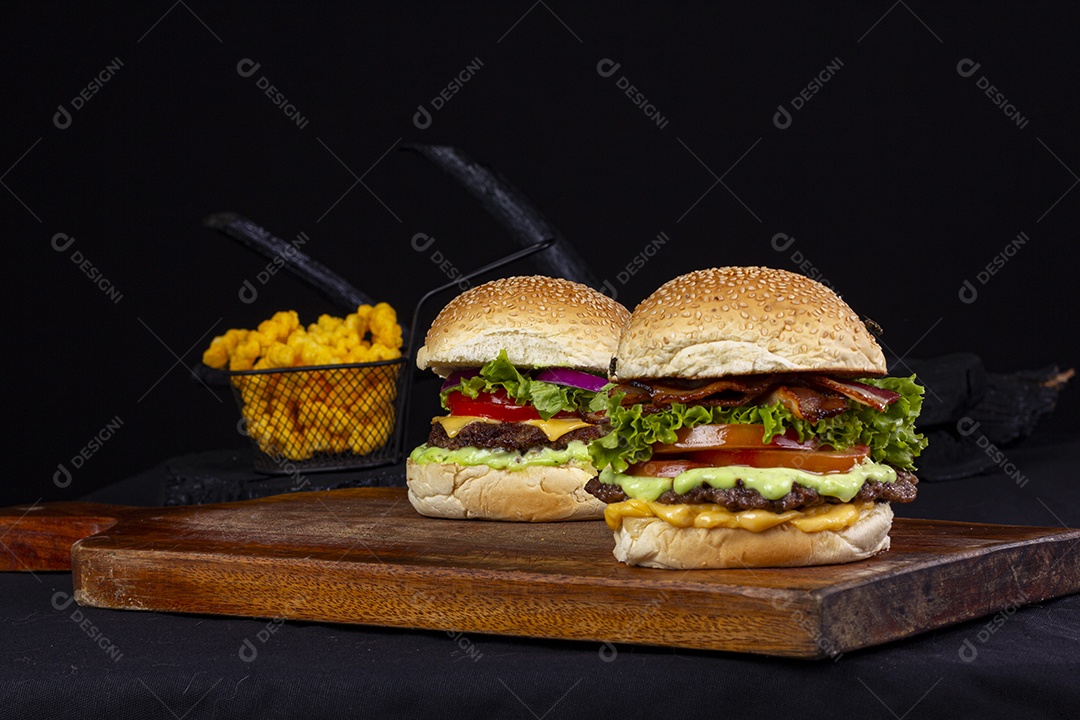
column 576, row 453
column 772, row 483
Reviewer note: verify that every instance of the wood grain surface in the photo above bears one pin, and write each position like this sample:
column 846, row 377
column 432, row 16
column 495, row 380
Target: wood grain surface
column 364, row 556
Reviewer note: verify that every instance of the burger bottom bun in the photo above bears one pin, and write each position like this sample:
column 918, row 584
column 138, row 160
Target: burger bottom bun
column 651, row 542
column 532, row 494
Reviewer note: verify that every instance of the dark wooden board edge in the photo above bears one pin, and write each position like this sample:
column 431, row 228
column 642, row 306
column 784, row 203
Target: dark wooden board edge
column 793, row 623
column 475, row 601
column 39, row 536
column 861, row 612
column 1008, row 575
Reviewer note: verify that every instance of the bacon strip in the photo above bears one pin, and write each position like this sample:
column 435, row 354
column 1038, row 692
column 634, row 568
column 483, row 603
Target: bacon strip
column 800, row 393
column 806, row 403
column 734, row 391
column 866, row 394
column 634, row 394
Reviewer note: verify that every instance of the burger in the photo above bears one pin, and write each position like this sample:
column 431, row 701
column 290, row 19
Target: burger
column 752, row 425
column 524, row 360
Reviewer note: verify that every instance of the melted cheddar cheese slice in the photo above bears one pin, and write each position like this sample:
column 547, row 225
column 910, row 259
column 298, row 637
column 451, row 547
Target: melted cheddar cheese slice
column 815, row 519
column 554, row 428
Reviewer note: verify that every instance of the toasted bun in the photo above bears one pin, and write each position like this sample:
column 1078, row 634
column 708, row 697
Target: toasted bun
column 532, row 494
column 539, row 321
column 654, row 543
column 742, row 321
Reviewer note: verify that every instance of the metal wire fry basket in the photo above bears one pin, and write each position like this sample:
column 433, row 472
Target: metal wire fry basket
column 325, row 417
column 336, row 417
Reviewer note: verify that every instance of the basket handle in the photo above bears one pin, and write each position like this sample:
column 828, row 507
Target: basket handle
column 509, row 207
column 410, row 355
column 254, row 237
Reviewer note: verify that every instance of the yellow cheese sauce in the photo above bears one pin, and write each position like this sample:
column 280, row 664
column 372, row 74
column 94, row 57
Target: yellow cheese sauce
column 554, row 428
column 814, row 519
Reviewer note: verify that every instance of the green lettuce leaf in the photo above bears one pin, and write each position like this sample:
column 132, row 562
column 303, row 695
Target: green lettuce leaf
column 890, row 434
column 547, row 398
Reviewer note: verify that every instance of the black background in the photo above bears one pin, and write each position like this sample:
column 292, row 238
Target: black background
column 899, row 179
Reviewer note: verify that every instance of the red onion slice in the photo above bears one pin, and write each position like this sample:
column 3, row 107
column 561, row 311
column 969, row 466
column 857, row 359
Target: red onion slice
column 457, row 376
column 572, row 378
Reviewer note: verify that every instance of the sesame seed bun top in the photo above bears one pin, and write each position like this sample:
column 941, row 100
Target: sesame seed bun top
column 743, row 321
column 540, row 322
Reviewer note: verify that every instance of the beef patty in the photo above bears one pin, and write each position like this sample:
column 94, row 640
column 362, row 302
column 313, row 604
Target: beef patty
column 743, row 498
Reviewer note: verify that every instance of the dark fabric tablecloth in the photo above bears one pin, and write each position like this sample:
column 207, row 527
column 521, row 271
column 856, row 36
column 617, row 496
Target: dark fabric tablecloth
column 60, row 660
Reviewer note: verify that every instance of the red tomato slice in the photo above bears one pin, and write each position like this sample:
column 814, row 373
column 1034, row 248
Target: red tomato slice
column 495, row 405
column 664, row 468
column 816, row 461
column 715, row 437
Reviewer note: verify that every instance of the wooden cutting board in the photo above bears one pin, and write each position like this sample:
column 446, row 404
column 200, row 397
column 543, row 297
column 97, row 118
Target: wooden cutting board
column 364, row 556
